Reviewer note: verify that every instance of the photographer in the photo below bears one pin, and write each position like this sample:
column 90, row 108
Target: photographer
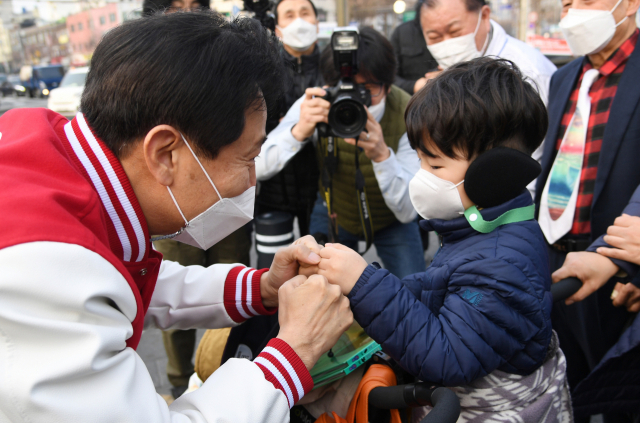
column 294, row 188
column 386, row 160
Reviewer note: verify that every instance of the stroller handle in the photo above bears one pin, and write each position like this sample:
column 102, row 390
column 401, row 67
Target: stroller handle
column 565, row 288
column 446, row 405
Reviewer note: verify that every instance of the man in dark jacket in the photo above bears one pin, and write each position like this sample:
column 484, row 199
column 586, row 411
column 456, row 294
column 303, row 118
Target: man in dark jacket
column 412, row 54
column 613, row 387
column 294, row 188
column 594, row 131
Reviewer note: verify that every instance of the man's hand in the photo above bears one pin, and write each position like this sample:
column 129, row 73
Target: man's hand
column 372, row 141
column 427, row 76
column 627, row 295
column 312, row 316
column 624, row 236
column 433, row 74
column 419, row 84
column 313, row 110
column 341, row 266
column 592, row 269
column 286, row 264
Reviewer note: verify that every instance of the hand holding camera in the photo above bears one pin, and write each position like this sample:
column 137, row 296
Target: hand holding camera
column 371, row 140
column 313, row 110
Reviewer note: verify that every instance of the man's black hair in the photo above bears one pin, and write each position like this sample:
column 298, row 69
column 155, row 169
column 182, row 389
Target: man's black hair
column 275, row 10
column 471, row 5
column 194, row 71
column 475, row 106
column 376, row 60
column 149, row 7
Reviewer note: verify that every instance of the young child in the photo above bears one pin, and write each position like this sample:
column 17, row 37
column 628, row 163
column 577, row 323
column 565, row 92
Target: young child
column 478, row 320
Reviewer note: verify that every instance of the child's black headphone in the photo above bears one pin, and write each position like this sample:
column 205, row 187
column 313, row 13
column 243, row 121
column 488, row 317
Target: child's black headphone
column 499, row 175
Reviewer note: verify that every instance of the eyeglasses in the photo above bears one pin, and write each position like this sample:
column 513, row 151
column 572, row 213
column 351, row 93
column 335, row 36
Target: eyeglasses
column 375, row 88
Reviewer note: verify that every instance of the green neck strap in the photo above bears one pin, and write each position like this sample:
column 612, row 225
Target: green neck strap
column 476, row 221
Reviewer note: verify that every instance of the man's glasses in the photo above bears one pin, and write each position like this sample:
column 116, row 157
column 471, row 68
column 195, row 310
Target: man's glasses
column 375, row 88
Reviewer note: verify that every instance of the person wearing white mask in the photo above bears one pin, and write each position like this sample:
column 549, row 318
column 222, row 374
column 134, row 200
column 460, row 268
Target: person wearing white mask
column 294, row 188
column 477, row 320
column 460, row 30
column 590, row 169
column 386, row 159
column 149, row 158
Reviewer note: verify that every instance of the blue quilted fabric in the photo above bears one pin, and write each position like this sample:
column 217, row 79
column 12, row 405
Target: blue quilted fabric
column 483, row 304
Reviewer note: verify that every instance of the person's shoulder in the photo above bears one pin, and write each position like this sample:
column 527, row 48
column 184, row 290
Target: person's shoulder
column 406, row 31
column 527, row 58
column 569, row 68
column 397, row 99
column 46, row 197
column 406, row 27
column 521, row 243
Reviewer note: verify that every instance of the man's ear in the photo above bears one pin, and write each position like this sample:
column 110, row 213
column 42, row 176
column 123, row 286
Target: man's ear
column 632, row 8
column 159, row 148
column 486, row 12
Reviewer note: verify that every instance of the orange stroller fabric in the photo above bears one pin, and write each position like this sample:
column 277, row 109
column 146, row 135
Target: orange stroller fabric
column 377, row 375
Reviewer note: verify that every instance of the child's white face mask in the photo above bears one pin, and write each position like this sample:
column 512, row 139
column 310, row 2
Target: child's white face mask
column 435, row 198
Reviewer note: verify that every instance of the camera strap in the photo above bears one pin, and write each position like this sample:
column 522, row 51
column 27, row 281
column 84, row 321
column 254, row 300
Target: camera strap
column 363, row 204
column 329, row 168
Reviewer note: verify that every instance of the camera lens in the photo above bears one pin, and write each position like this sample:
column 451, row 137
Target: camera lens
column 347, row 117
column 347, row 114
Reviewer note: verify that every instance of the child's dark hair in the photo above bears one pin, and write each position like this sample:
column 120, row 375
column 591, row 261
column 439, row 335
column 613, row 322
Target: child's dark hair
column 475, row 106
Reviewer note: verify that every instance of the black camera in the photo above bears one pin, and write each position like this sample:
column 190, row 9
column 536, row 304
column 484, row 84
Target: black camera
column 347, row 115
column 262, row 12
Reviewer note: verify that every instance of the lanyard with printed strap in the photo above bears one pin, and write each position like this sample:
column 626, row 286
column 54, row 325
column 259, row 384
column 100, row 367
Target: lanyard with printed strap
column 328, row 170
column 363, row 204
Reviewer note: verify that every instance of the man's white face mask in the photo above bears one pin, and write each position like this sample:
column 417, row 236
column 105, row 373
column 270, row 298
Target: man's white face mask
column 589, row 31
column 299, row 34
column 456, row 50
column 218, row 221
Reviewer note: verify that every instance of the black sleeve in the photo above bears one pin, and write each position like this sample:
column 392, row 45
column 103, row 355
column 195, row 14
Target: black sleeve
column 405, row 84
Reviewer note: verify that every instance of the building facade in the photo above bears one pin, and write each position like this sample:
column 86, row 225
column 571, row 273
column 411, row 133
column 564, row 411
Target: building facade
column 40, row 44
column 86, row 28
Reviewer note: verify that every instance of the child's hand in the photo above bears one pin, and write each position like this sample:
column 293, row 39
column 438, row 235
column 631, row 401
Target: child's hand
column 308, row 268
column 341, row 266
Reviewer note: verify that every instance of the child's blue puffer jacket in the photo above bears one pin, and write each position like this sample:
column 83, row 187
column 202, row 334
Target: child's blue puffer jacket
column 483, row 304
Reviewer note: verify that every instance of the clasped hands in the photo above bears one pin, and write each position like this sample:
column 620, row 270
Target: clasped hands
column 309, row 283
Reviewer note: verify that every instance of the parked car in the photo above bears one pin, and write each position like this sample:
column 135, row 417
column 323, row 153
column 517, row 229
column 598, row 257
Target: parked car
column 66, row 99
column 5, row 87
column 11, row 85
column 39, row 80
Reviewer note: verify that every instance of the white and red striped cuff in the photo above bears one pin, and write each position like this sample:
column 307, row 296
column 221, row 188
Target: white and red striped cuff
column 284, row 369
column 242, row 298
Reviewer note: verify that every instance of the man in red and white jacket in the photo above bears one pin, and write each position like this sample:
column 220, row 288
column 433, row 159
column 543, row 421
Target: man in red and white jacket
column 79, row 201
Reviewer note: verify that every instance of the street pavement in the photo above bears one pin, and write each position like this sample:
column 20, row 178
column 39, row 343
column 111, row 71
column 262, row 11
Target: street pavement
column 8, row 103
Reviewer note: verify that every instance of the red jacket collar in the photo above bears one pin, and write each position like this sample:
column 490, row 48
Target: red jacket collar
column 128, row 233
